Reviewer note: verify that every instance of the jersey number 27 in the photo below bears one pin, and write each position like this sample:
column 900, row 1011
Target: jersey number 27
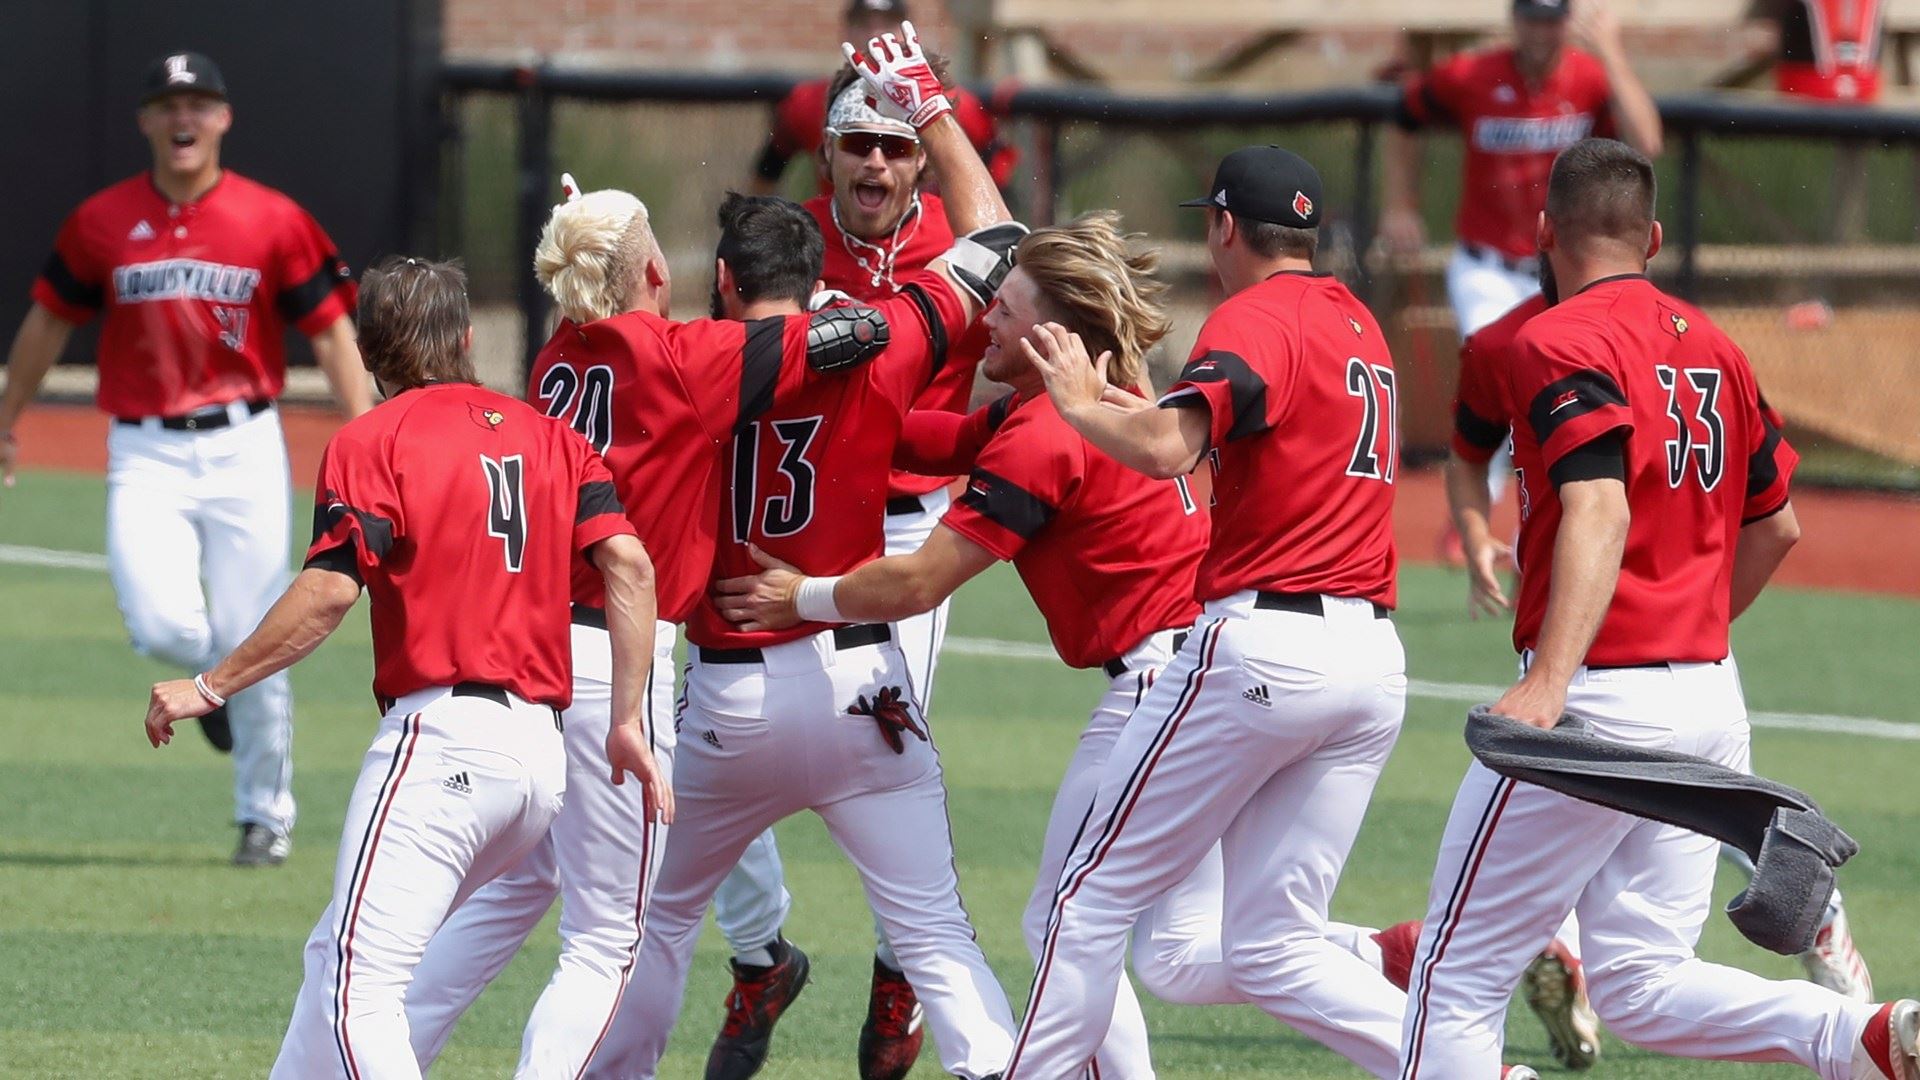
column 1377, row 446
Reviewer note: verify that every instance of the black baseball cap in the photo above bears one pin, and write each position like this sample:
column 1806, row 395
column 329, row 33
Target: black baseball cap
column 1266, row 183
column 862, row 8
column 1541, row 9
column 183, row 73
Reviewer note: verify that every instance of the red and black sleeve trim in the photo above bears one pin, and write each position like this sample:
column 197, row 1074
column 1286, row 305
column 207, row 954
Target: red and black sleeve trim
column 761, row 359
column 1006, row 504
column 597, row 497
column 1247, row 389
column 299, row 300
column 71, row 289
column 1571, row 397
column 1477, row 430
column 1763, row 467
column 936, row 326
column 341, row 559
column 375, row 531
column 998, row 412
column 1604, row 458
column 1436, row 113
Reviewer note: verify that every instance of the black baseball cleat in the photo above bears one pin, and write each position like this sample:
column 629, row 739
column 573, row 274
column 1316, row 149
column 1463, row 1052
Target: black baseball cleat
column 261, row 846
column 215, row 727
column 759, row 996
column 890, row 1039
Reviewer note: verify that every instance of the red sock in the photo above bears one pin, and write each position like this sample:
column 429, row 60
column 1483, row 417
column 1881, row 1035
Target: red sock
column 1878, row 1039
column 1397, row 944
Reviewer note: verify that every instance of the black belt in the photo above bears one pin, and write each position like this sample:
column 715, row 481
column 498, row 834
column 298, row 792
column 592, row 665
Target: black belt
column 1512, row 264
column 594, row 617
column 1304, row 603
column 844, row 637
column 204, row 420
column 498, row 696
column 901, row 505
column 1117, row 666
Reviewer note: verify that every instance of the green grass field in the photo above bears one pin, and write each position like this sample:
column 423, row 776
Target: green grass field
column 128, row 948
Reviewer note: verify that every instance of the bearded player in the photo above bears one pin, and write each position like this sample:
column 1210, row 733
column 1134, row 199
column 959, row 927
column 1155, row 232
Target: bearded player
column 197, row 271
column 826, row 718
column 460, row 511
column 659, row 399
column 1655, row 508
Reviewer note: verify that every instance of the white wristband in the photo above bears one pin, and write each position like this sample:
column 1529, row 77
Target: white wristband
column 813, row 600
column 200, row 684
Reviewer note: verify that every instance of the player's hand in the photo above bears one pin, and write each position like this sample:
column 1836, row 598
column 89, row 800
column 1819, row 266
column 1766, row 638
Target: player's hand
column 1124, row 401
column 763, row 601
column 900, row 82
column 1073, row 381
column 1533, row 701
column 9, row 454
column 1594, row 27
column 1485, row 596
column 627, row 753
column 1402, row 230
column 172, row 702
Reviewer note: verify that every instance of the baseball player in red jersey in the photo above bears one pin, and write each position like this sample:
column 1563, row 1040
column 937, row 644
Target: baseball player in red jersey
column 1654, row 493
column 823, row 718
column 1108, row 554
column 1826, row 50
column 798, row 118
column 879, row 227
column 1268, row 729
column 448, row 502
column 197, row 271
column 660, row 400
column 1515, row 108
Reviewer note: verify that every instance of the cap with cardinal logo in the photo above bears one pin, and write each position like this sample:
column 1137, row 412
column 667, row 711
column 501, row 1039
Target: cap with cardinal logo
column 1266, row 183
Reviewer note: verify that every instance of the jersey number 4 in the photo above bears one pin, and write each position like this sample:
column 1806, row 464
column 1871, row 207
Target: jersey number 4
column 784, row 512
column 507, row 506
column 1688, row 451
column 584, row 399
column 1378, row 445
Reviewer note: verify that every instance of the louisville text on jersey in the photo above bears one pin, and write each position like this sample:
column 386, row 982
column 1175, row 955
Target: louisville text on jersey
column 185, row 279
column 1530, row 134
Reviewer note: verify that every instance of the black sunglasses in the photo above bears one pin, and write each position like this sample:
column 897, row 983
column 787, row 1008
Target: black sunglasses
column 892, row 147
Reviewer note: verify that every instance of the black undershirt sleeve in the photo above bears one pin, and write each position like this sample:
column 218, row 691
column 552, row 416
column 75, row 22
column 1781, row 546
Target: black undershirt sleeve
column 1603, row 458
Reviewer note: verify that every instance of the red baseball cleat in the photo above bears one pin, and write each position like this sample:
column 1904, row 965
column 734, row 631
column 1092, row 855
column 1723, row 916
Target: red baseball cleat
column 758, row 998
column 1887, row 1048
column 890, row 1039
column 1397, row 943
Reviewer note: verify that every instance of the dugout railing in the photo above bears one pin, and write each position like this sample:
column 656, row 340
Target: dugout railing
column 1069, row 133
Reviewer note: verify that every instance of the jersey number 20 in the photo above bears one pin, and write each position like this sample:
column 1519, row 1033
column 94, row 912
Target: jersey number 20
column 783, row 512
column 1377, row 446
column 584, row 399
column 507, row 506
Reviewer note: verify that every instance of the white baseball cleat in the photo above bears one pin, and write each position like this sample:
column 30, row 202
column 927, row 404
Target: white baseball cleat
column 1887, row 1049
column 1556, row 991
column 1517, row 1072
column 1835, row 963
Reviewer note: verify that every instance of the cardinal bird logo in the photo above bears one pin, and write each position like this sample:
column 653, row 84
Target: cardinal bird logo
column 490, row 419
column 1302, row 205
column 1679, row 324
column 1358, row 330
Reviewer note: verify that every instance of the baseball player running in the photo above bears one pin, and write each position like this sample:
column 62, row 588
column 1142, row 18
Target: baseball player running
column 198, row 270
column 1108, row 554
column 1654, row 493
column 822, row 718
column 879, row 227
column 1268, row 729
column 659, row 399
column 461, row 511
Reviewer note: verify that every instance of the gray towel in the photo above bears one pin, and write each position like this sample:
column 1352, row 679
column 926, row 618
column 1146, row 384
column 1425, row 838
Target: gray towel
column 1794, row 847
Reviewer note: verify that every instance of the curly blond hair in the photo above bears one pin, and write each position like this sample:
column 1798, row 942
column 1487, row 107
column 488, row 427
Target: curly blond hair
column 592, row 252
column 1097, row 281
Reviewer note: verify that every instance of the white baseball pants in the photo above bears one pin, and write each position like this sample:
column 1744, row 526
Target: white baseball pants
column 599, row 859
column 1266, row 734
column 761, row 741
column 197, row 540
column 752, row 903
column 1516, row 857
column 454, row 790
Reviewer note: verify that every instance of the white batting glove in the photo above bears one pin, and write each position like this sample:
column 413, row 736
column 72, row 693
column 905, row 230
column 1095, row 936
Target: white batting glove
column 900, row 82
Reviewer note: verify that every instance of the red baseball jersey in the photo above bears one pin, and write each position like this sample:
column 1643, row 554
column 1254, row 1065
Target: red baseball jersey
column 1512, row 133
column 1108, row 555
column 807, row 481
column 197, row 296
column 1481, row 415
column 800, row 122
column 1829, row 49
column 1703, row 456
column 858, row 272
column 660, row 400
column 461, row 510
column 1304, row 434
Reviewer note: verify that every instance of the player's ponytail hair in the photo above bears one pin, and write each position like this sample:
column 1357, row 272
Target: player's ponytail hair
column 1098, row 282
column 592, row 253
column 413, row 322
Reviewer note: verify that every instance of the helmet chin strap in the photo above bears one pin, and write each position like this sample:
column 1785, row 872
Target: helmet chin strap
column 880, row 266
